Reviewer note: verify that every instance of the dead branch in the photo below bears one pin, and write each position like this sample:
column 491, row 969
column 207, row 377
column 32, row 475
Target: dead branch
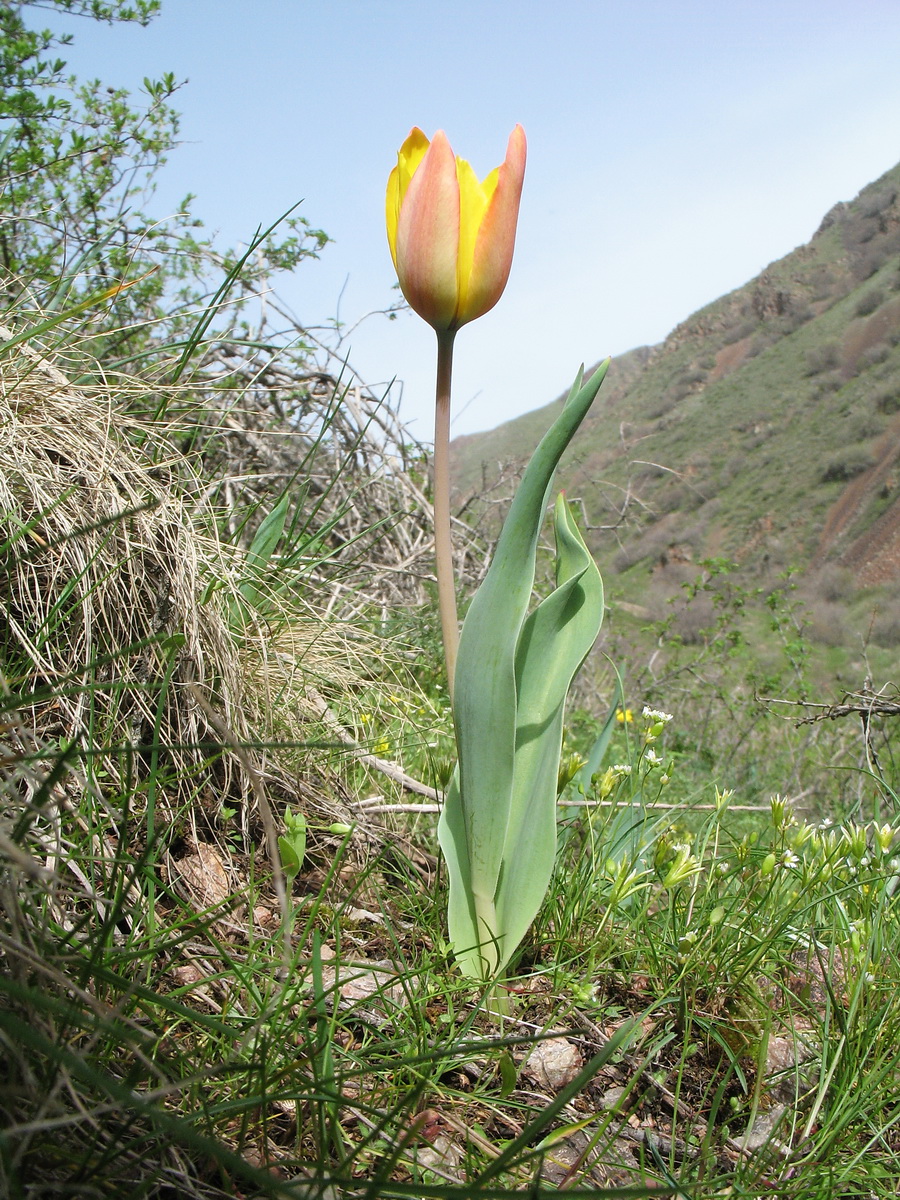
column 865, row 704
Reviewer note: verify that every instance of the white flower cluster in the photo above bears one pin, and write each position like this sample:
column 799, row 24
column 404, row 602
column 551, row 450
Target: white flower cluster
column 655, row 716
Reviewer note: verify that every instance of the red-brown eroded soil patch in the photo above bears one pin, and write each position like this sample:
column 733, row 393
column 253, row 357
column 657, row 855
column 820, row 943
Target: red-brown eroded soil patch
column 730, row 358
column 874, row 556
column 863, row 335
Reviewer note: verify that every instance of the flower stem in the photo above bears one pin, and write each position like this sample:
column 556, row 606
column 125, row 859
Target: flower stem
column 443, row 546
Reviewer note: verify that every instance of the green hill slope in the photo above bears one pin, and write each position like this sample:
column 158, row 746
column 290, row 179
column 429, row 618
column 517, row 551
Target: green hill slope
column 765, row 429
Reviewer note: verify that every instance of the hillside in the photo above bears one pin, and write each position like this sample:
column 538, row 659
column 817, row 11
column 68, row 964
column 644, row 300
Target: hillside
column 765, row 429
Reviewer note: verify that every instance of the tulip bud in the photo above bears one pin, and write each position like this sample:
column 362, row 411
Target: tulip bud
column 451, row 237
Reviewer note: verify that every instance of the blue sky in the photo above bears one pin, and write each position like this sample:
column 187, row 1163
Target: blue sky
column 675, row 148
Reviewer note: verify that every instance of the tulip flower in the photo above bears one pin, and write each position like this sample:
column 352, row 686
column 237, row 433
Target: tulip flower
column 451, row 237
column 451, row 240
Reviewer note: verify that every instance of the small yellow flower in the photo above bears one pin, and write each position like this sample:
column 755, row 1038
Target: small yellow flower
column 884, row 836
column 624, row 716
column 682, row 868
column 382, row 747
column 723, row 798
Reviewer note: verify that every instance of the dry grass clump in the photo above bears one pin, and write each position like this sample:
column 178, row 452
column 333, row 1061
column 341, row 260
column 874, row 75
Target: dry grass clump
column 105, row 633
column 142, row 698
column 266, row 420
column 120, row 634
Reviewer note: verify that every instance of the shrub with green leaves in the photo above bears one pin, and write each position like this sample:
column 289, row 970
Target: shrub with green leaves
column 77, row 164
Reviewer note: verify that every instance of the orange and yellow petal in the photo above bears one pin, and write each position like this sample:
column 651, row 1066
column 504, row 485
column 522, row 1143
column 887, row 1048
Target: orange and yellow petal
column 496, row 238
column 409, row 156
column 472, row 207
column 428, row 235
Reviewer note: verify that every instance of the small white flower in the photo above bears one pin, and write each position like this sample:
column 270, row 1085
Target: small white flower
column 790, row 859
column 654, row 715
column 652, row 758
column 622, row 768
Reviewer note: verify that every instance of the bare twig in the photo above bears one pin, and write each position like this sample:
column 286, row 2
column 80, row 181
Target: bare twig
column 320, row 708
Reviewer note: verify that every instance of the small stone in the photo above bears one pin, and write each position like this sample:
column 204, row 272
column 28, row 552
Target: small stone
column 188, row 974
column 554, row 1063
column 612, row 1097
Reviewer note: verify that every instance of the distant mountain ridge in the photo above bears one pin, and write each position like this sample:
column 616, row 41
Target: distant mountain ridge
column 765, row 428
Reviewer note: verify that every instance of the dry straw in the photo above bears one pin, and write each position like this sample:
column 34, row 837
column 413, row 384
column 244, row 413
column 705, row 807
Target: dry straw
column 114, row 636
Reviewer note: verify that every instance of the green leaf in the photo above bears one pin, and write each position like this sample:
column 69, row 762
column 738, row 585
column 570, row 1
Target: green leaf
column 508, row 1075
column 269, row 534
column 292, row 844
column 258, row 557
column 93, row 301
column 554, row 642
column 512, row 676
column 597, row 752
